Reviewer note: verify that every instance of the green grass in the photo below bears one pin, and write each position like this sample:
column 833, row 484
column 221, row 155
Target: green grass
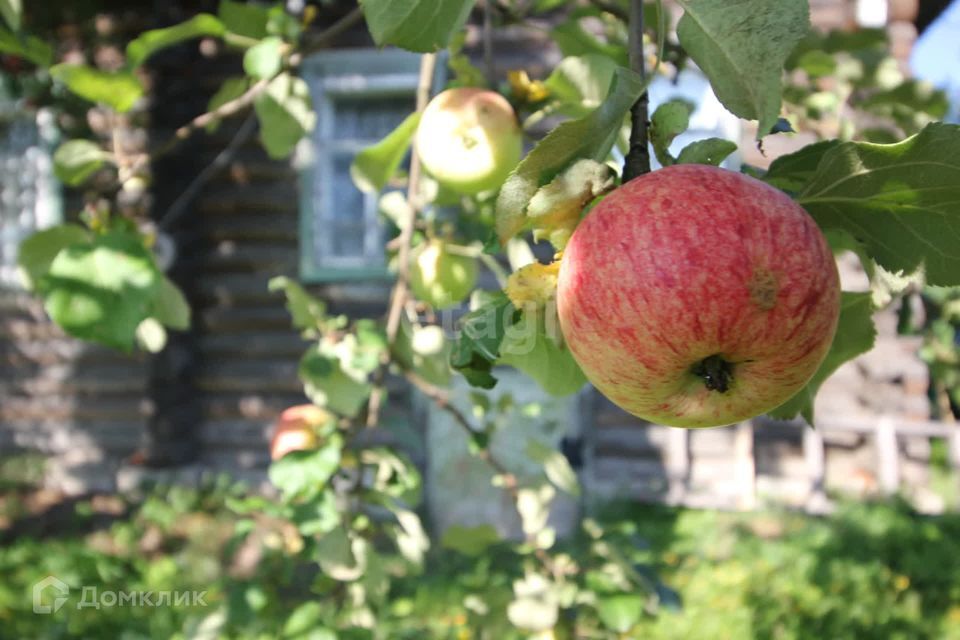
column 870, row 571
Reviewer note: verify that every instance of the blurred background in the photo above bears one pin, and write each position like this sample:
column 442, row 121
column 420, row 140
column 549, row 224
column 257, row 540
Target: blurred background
column 149, row 473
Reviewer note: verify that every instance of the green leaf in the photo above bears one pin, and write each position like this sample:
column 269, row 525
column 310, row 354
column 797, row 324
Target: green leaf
column 409, row 535
column 536, row 605
column 170, row 306
column 667, row 122
column 103, row 289
column 855, row 335
column 36, row 253
column 471, row 541
column 581, row 82
column 425, row 351
column 286, row 114
column 792, row 172
column 244, row 19
column 318, row 515
column 574, row 40
column 742, row 45
column 710, row 151
column 329, row 382
column 12, row 12
column 149, row 42
column 529, row 346
column 341, row 555
column 621, row 611
column 305, row 473
column 416, row 25
column 305, row 624
column 231, row 89
column 589, row 137
column 119, row 90
column 817, row 63
column 477, row 346
column 308, row 312
column 373, row 167
column 29, row 47
column 264, row 59
column 899, row 200
column 76, row 160
column 555, row 465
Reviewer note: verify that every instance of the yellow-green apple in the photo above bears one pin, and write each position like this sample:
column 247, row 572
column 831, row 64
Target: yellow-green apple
column 296, row 429
column 469, row 139
column 695, row 296
column 439, row 277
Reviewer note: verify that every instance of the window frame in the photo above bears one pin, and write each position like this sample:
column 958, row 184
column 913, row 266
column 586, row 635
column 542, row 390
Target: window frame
column 334, row 76
column 48, row 201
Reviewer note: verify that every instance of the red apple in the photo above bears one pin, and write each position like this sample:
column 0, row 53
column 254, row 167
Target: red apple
column 296, row 430
column 469, row 139
column 697, row 297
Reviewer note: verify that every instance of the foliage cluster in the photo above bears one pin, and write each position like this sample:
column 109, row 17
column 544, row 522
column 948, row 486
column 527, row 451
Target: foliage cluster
column 869, row 571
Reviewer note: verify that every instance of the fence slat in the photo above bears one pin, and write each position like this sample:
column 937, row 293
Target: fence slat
column 746, row 467
column 678, row 465
column 814, row 455
column 888, row 457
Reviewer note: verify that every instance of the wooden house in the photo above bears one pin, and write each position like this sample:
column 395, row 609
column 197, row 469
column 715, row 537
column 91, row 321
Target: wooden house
column 205, row 404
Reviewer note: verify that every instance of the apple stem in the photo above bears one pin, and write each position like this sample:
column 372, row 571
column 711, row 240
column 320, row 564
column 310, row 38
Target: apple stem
column 637, row 161
column 716, row 372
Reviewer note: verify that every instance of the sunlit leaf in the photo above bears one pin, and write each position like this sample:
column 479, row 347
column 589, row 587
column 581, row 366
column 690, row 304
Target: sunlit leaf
column 899, row 200
column 119, row 90
column 286, row 114
column 373, row 167
column 149, row 42
column 742, row 46
column 590, row 137
column 76, row 160
column 416, row 25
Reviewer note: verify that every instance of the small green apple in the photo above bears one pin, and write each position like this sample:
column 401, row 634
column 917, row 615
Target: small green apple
column 469, row 139
column 440, row 278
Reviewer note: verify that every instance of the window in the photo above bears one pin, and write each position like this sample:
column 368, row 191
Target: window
column 360, row 95
column 29, row 194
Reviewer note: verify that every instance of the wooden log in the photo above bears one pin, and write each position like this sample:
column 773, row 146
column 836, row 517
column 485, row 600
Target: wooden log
column 72, row 407
column 245, row 320
column 285, row 344
column 249, row 375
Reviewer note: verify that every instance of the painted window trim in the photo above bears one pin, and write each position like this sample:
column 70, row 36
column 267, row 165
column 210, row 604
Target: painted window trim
column 332, row 75
column 48, row 210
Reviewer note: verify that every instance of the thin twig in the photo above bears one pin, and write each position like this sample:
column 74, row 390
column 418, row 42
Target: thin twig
column 488, row 66
column 427, row 66
column 179, row 206
column 323, row 39
column 241, row 102
column 637, row 160
column 398, row 296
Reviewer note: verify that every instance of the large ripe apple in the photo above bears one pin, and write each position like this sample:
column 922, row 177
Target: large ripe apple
column 439, row 277
column 697, row 297
column 469, row 139
column 296, row 430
